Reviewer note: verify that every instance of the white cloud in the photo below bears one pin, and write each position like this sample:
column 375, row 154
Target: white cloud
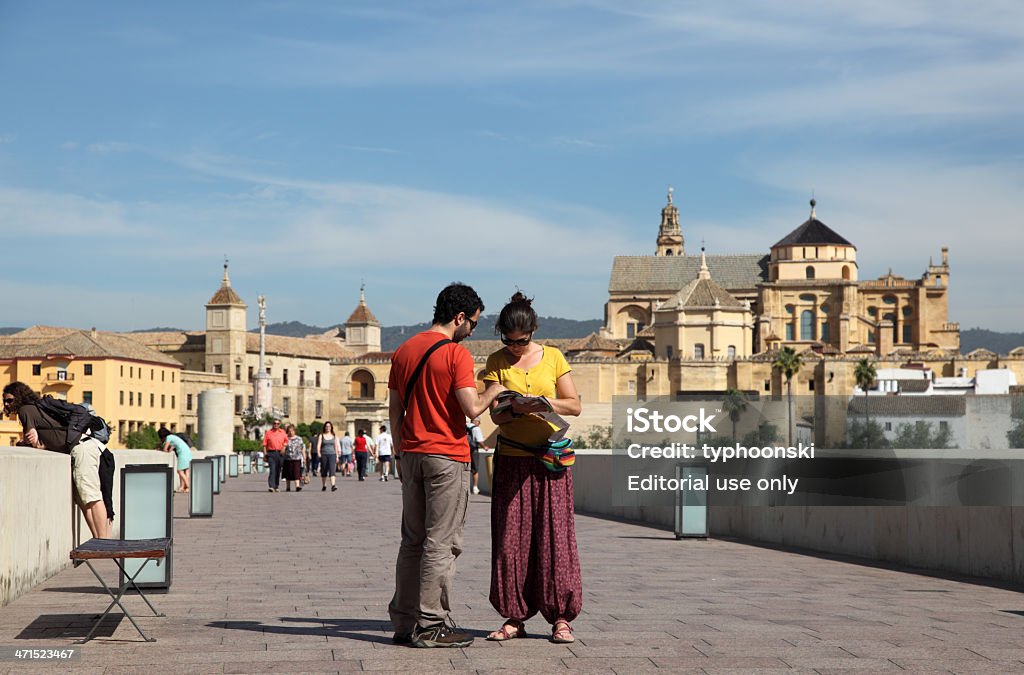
column 33, row 214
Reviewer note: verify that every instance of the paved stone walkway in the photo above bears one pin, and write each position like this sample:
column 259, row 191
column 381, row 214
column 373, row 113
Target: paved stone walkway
column 300, row 583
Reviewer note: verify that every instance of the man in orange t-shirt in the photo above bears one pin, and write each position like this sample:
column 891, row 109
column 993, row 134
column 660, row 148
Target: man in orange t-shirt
column 274, row 441
column 429, row 431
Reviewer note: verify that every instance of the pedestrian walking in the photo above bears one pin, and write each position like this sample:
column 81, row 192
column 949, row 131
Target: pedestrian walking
column 328, row 448
column 346, row 454
column 274, row 442
column 295, row 454
column 384, row 444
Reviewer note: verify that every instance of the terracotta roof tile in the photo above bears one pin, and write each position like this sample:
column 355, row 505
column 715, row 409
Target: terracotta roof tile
column 85, row 344
column 702, row 293
column 362, row 314
column 909, row 406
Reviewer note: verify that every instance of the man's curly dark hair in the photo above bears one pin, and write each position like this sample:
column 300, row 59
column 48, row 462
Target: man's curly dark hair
column 455, row 298
column 23, row 395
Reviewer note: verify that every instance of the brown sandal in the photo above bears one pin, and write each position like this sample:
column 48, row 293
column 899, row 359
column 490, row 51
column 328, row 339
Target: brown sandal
column 509, row 631
column 561, row 632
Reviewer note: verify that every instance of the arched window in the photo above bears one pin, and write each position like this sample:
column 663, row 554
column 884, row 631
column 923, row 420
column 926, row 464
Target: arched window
column 362, row 384
column 891, row 317
column 807, row 325
column 810, row 271
column 698, row 351
column 731, row 352
column 846, row 272
column 668, row 252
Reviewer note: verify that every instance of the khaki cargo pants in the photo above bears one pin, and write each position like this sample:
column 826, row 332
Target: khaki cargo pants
column 435, row 498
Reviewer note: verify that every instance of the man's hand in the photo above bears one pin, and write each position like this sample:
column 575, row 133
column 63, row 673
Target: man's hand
column 32, row 438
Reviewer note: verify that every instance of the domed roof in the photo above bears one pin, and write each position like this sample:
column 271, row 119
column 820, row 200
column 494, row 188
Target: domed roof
column 813, row 232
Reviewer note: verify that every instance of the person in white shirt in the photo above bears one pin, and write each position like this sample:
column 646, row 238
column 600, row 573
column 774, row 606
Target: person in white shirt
column 476, row 442
column 384, row 445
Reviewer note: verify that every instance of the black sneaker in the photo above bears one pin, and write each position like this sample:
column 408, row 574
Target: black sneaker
column 441, row 635
column 402, row 638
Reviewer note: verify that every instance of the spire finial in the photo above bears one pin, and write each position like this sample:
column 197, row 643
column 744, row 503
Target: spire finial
column 670, row 191
column 226, row 281
column 704, row 272
column 362, row 292
column 814, row 203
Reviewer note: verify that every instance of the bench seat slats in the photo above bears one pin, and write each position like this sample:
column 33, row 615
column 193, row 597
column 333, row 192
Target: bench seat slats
column 122, row 548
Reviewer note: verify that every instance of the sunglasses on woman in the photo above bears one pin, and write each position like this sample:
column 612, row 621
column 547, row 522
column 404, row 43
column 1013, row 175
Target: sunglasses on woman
column 521, row 342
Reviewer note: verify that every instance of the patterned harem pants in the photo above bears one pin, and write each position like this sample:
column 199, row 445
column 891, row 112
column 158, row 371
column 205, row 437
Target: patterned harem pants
column 535, row 564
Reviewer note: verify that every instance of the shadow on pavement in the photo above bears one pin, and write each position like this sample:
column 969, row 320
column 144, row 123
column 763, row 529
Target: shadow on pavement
column 347, row 628
column 55, row 626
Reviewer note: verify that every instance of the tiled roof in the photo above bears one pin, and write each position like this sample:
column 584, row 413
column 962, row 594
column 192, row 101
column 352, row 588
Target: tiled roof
column 702, row 293
column 225, row 295
column 639, row 345
column 362, row 314
column 593, row 343
column 811, row 232
column 292, row 346
column 650, row 273
column 175, row 338
column 861, row 349
column 85, row 344
column 483, row 348
column 909, row 406
column 914, row 386
column 42, row 332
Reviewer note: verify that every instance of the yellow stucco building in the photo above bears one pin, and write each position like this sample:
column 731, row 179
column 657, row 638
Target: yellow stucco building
column 127, row 383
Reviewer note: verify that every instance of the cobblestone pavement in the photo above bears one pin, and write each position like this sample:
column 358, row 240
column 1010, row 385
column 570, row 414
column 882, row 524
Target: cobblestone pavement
column 292, row 582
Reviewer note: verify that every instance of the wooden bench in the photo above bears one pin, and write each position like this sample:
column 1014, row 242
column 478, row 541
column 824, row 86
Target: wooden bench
column 117, row 550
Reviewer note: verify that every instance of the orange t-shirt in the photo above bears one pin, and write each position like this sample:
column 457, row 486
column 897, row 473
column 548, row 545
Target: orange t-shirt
column 434, row 423
column 275, row 439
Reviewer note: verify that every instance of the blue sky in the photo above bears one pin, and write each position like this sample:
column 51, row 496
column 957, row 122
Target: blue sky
column 409, row 144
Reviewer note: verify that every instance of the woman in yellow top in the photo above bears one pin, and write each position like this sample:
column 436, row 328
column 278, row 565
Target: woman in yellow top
column 534, row 560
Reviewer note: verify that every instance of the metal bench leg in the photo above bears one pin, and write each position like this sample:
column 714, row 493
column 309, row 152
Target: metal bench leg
column 117, row 601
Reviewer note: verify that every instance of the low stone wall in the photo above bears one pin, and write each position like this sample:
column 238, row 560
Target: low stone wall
column 980, row 541
column 38, row 525
column 35, row 518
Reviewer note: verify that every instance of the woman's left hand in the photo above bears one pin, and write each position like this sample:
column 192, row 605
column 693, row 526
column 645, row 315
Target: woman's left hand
column 528, row 404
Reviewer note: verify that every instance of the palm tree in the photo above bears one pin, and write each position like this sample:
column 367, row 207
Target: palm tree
column 865, row 374
column 734, row 404
column 788, row 362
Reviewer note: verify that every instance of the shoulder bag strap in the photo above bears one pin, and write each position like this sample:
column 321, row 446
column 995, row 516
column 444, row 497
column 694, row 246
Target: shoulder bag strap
column 419, row 369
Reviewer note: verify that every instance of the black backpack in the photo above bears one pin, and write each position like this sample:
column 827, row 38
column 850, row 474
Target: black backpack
column 76, row 419
column 473, row 445
column 183, row 436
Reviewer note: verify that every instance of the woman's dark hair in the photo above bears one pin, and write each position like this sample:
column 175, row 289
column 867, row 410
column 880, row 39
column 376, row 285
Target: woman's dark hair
column 361, row 432
column 22, row 393
column 453, row 299
column 517, row 316
column 324, row 429
column 163, row 433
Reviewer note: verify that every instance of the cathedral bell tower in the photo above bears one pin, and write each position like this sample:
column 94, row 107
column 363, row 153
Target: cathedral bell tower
column 670, row 236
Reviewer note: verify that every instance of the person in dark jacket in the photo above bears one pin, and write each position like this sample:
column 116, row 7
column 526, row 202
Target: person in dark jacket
column 46, row 433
